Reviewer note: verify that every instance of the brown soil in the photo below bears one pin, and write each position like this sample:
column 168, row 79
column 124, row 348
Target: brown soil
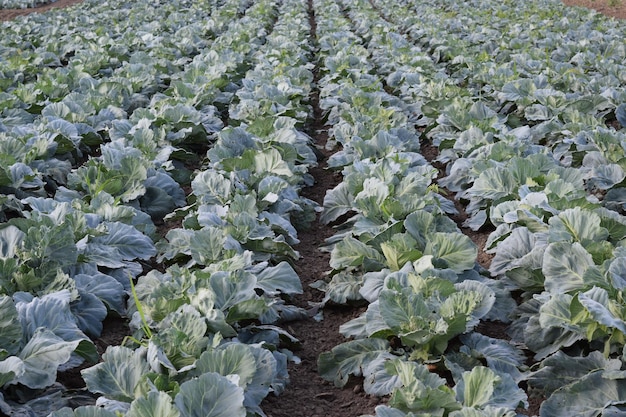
column 9, row 14
column 613, row 8
column 307, row 392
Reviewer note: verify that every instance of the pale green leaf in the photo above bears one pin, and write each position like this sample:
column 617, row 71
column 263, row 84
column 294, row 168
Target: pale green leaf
column 351, row 252
column 476, row 387
column 501, row 356
column 154, row 404
column 210, row 395
column 598, row 303
column 119, row 374
column 560, row 370
column 452, row 250
column 232, row 359
column 211, row 187
column 488, row 411
column 10, row 241
column 564, row 266
column 10, row 369
column 337, row 202
column 588, row 396
column 350, row 358
column 10, row 326
column 279, row 279
column 577, row 225
column 271, row 162
column 42, row 356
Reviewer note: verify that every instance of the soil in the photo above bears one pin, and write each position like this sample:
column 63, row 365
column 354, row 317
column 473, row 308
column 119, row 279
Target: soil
column 9, row 14
column 613, row 8
column 308, row 395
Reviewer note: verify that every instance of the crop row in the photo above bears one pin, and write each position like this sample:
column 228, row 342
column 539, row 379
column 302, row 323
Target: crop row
column 530, row 141
column 23, row 4
column 398, row 249
column 113, row 125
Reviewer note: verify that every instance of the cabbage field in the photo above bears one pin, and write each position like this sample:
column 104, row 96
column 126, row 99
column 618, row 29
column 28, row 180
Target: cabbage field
column 156, row 159
column 23, row 4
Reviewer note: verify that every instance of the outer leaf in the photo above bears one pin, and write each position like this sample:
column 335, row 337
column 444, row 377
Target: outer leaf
column 617, row 272
column 456, row 251
column 337, row 202
column 607, row 176
column 350, row 358
column 280, row 278
column 577, row 225
column 51, row 311
column 378, row 380
column 10, row 369
column 119, row 373
column 123, row 242
column 386, row 411
column 620, row 114
column 488, row 411
column 587, row 397
column 157, row 203
column 494, row 184
column 270, row 375
column 501, row 356
column 476, row 387
column 597, row 302
column 560, row 370
column 513, row 249
column 210, row 395
column 89, row 312
column 343, row 286
column 155, row 404
column 42, row 356
column 233, row 359
column 352, row 252
column 106, row 288
column 564, row 266
column 10, row 241
column 232, row 288
column 10, row 327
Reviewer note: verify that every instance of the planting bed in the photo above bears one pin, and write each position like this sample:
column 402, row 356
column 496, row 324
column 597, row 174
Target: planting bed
column 312, row 208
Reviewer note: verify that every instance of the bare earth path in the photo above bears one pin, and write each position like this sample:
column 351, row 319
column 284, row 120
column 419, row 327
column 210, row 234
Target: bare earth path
column 9, row 14
column 603, row 6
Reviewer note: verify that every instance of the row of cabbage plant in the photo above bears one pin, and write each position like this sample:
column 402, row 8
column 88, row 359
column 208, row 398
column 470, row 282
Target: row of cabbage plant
column 398, row 249
column 73, row 235
column 100, row 91
column 559, row 96
column 23, row 4
column 205, row 326
column 88, row 276
column 559, row 230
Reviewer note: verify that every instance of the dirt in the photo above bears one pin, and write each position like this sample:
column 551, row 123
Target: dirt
column 9, row 14
column 307, row 394
column 613, row 8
